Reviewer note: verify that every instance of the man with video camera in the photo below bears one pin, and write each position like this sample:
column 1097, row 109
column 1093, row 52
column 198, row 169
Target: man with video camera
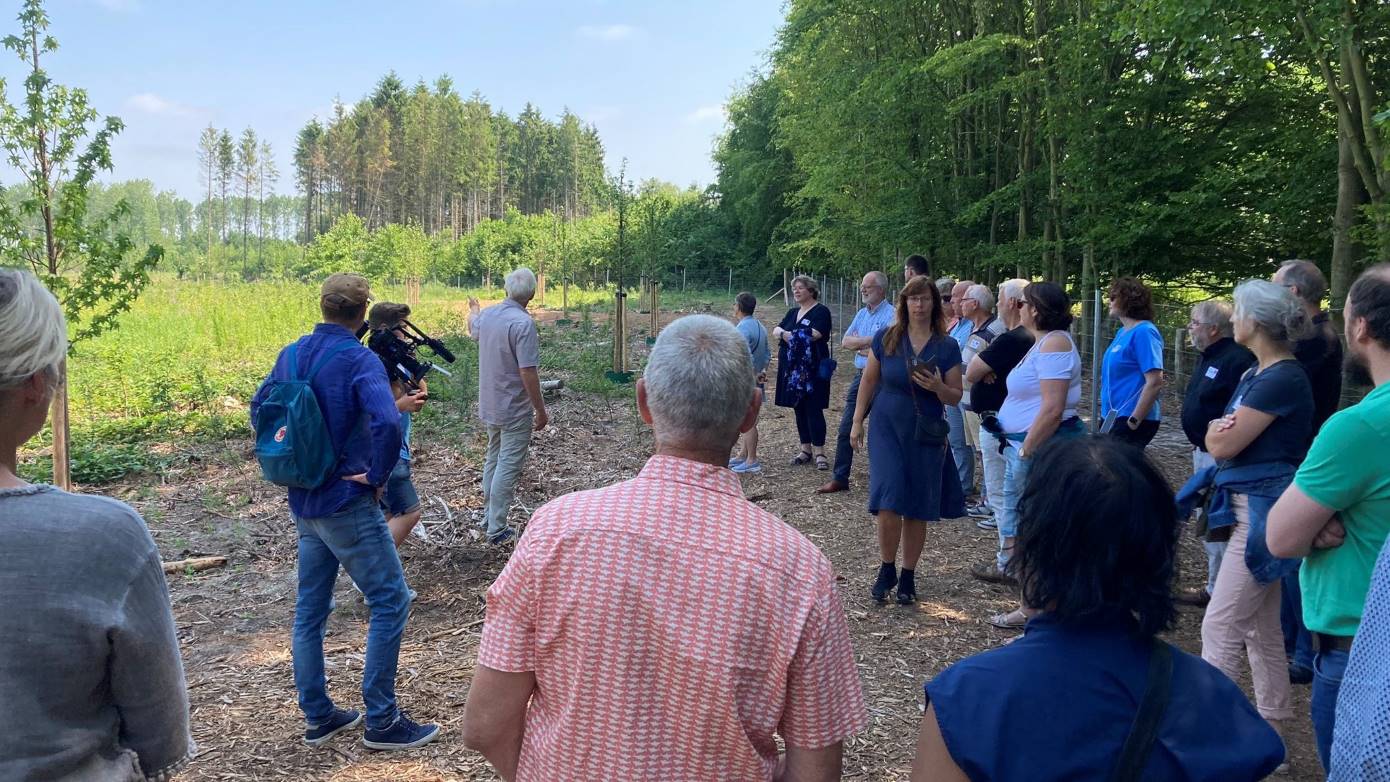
column 400, row 501
column 327, row 427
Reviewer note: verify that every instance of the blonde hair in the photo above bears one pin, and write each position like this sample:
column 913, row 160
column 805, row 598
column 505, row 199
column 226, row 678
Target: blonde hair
column 810, row 283
column 33, row 332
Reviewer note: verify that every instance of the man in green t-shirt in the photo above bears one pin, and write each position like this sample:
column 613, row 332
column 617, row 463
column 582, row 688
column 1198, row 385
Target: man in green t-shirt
column 1337, row 511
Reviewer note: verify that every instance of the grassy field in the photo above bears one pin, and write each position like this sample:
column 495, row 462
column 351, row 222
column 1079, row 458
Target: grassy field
column 187, row 358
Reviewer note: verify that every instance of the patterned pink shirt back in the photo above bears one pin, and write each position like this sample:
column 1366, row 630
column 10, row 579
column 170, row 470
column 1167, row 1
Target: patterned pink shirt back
column 673, row 628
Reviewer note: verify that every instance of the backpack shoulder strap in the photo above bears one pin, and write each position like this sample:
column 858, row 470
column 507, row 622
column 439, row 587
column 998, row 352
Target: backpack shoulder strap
column 292, row 360
column 328, row 354
column 1144, row 732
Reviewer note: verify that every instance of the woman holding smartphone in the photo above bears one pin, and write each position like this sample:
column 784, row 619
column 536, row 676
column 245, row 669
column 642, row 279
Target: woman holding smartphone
column 912, row 477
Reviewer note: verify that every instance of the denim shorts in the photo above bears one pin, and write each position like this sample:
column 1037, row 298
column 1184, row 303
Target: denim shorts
column 400, row 497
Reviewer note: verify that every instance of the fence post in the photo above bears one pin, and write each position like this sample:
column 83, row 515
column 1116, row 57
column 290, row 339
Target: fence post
column 731, row 282
column 682, row 279
column 786, row 289
column 1177, row 356
column 1095, row 359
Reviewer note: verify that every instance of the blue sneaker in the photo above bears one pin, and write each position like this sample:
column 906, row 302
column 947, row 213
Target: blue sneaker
column 505, row 536
column 747, row 467
column 341, row 720
column 404, row 733
column 735, row 462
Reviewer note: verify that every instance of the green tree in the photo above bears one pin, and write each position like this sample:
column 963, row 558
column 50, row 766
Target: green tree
column 95, row 271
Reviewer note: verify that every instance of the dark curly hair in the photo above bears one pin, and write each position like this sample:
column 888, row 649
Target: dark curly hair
column 1051, row 305
column 1097, row 533
column 1133, row 298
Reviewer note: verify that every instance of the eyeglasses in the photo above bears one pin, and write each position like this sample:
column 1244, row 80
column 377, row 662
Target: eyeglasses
column 867, row 288
column 1199, row 323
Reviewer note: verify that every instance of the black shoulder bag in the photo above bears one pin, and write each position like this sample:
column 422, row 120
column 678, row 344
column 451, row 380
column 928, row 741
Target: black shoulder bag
column 1144, row 732
column 927, row 431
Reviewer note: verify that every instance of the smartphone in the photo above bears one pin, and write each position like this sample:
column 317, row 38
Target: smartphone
column 926, row 367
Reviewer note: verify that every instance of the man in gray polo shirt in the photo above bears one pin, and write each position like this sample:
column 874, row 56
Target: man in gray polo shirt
column 509, row 393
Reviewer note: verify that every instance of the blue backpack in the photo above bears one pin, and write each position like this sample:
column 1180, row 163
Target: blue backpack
column 293, row 444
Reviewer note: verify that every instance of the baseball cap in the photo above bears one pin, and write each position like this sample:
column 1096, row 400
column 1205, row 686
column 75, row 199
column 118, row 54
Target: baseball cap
column 345, row 290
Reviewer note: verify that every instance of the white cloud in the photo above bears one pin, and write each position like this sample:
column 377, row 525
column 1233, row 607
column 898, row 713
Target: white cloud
column 608, row 33
column 705, row 114
column 150, row 103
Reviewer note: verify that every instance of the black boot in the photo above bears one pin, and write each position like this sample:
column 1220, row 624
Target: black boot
column 907, row 589
column 887, row 579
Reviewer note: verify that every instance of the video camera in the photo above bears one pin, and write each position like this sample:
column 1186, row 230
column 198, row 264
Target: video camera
column 395, row 341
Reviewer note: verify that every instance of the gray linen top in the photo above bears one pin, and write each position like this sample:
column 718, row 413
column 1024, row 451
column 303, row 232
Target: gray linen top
column 507, row 343
column 91, row 682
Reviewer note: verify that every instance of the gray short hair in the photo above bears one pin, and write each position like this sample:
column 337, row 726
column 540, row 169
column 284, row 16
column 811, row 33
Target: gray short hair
column 1012, row 290
column 810, row 284
column 520, row 284
column 881, row 280
column 981, row 294
column 1214, row 312
column 699, row 382
column 33, row 332
column 944, row 286
column 1271, row 308
column 1307, row 277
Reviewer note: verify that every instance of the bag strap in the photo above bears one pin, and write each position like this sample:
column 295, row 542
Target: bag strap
column 1143, row 734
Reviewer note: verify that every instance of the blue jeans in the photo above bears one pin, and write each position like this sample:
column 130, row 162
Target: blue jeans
column 961, row 450
column 1006, row 515
column 1298, row 642
column 1328, row 668
column 844, row 454
column 356, row 537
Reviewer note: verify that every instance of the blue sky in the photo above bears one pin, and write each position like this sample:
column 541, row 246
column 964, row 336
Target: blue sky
column 652, row 76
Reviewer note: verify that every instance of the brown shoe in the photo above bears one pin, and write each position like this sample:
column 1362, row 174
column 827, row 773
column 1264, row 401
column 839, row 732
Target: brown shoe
column 1193, row 597
column 832, row 486
column 990, row 572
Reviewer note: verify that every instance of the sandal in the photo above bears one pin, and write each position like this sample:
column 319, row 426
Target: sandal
column 1013, row 620
column 821, row 463
column 802, row 458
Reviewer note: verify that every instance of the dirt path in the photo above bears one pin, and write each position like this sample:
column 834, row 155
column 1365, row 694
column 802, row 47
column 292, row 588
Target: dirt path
column 234, row 623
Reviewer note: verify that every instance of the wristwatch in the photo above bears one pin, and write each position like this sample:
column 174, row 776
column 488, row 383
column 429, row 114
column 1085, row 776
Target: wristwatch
column 1133, row 422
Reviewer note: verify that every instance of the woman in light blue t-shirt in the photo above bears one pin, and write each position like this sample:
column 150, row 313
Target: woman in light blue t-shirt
column 1132, row 374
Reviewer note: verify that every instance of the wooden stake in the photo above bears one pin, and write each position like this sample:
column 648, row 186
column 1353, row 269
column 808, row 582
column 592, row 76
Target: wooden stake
column 62, row 475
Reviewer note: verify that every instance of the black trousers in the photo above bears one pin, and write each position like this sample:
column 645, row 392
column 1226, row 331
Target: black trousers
column 810, row 422
column 1140, row 437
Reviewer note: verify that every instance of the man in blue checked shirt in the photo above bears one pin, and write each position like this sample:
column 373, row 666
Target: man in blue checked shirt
column 874, row 316
column 341, row 522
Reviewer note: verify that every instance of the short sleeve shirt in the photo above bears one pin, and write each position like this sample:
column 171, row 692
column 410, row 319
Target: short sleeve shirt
column 1347, row 471
column 507, row 343
column 1281, row 390
column 868, row 322
column 674, row 629
column 978, row 340
column 1134, row 351
column 758, row 347
column 1002, row 355
column 1361, row 740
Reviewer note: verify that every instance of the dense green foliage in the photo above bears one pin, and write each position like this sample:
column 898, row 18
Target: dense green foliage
column 1068, row 140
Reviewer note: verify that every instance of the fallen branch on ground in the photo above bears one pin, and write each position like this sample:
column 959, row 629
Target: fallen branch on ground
column 194, row 565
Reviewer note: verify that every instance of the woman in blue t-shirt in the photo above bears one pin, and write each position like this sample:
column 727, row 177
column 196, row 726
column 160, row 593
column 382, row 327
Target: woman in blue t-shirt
column 1132, row 374
column 1060, row 703
column 1258, row 445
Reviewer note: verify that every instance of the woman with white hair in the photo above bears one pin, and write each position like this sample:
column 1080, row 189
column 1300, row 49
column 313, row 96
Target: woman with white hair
column 90, row 675
column 1258, row 445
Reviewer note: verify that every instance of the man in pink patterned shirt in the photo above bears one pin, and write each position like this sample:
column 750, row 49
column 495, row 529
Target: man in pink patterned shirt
column 665, row 628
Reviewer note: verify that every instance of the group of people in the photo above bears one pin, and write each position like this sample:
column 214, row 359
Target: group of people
column 665, row 627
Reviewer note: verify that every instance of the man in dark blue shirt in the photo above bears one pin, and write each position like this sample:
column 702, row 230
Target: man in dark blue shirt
column 1214, row 380
column 341, row 522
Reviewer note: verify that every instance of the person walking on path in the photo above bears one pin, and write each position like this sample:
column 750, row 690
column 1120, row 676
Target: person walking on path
column 1223, row 362
column 664, row 627
column 756, row 335
column 913, row 373
column 510, row 404
column 876, row 315
column 341, row 522
column 803, row 377
column 90, row 673
column 1132, row 372
column 1337, row 512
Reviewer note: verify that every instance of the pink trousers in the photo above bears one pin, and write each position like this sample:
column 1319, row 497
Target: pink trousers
column 1243, row 616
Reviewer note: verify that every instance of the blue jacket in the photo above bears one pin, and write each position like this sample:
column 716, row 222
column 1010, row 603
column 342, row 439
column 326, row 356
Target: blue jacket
column 360, row 410
column 1261, row 484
